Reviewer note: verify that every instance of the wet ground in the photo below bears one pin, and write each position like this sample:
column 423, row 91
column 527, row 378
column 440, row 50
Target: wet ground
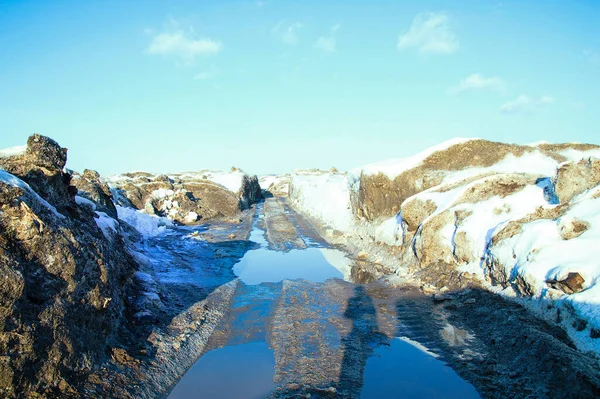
column 264, row 308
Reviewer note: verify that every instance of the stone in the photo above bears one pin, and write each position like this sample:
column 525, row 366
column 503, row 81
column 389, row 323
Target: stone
column 570, row 285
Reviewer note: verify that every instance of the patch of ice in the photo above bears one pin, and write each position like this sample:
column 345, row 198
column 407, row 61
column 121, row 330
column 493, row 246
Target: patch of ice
column 147, row 225
column 107, row 224
column 85, row 202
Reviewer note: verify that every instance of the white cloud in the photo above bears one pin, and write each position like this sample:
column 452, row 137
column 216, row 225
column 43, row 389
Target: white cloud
column 478, row 82
column 525, row 103
column 327, row 43
column 430, row 33
column 179, row 43
column 287, row 33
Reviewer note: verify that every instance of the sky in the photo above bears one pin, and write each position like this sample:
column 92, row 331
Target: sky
column 274, row 85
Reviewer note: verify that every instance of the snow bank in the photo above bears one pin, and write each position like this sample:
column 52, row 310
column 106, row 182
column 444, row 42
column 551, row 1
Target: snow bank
column 539, row 254
column 325, row 196
column 147, row 225
column 393, row 167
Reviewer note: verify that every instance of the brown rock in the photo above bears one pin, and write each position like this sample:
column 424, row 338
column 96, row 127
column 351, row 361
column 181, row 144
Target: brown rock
column 573, row 178
column 570, row 285
column 570, row 228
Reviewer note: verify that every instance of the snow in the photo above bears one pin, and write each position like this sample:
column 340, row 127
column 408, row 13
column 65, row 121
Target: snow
column 147, row 225
column 394, row 167
column 162, row 193
column 107, row 224
column 232, row 181
column 576, row 155
column 539, row 254
column 14, row 181
column 535, row 163
column 12, row 151
column 325, row 196
column 85, row 202
column 280, row 182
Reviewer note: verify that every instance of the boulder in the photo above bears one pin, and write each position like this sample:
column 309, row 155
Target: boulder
column 570, row 285
column 570, row 228
column 574, row 178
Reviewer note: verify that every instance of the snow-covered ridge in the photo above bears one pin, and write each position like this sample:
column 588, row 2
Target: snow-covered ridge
column 498, row 223
column 393, row 167
column 231, row 180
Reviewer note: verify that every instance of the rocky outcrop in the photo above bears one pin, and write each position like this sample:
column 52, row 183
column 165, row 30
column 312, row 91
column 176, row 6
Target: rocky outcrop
column 64, row 282
column 381, row 196
column 41, row 166
column 186, row 197
column 573, row 179
column 90, row 186
column 250, row 192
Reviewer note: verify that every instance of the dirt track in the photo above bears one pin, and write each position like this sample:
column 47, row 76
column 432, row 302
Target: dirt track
column 323, row 333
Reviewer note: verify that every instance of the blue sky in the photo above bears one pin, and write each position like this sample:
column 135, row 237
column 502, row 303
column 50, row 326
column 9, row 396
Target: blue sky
column 275, row 85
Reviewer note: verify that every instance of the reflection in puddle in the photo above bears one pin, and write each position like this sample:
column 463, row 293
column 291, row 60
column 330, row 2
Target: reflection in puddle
column 312, row 264
column 455, row 336
column 407, row 371
column 232, row 372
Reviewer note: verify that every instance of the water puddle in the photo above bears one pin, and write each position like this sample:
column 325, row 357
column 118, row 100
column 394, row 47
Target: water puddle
column 312, row 264
column 409, row 370
column 232, row 372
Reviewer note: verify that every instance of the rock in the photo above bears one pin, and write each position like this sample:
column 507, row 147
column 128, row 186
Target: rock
column 570, row 228
column 64, row 284
column 470, row 301
column 573, row 178
column 439, row 298
column 415, row 210
column 45, row 152
column 250, row 193
column 41, row 166
column 90, row 186
column 570, row 285
column 579, row 324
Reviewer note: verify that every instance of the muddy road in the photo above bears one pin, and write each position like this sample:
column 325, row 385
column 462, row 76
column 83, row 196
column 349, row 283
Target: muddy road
column 263, row 307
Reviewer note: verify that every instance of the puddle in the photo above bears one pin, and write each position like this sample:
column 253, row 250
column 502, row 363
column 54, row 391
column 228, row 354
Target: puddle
column 411, row 371
column 232, row 372
column 312, row 264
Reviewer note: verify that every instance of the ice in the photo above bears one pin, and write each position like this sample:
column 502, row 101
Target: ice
column 147, row 225
column 107, row 224
column 86, row 202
